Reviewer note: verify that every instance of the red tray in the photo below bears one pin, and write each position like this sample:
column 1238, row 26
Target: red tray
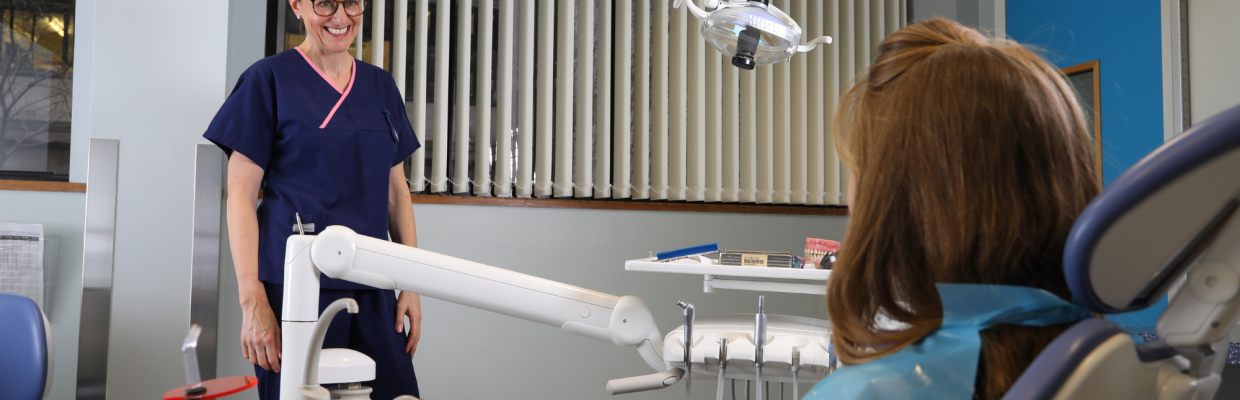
column 215, row 388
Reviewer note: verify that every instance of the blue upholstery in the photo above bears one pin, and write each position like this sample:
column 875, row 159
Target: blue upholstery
column 23, row 348
column 1059, row 359
column 1202, row 144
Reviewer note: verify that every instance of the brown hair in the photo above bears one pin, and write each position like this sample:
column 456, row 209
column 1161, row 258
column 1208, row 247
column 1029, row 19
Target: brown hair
column 972, row 161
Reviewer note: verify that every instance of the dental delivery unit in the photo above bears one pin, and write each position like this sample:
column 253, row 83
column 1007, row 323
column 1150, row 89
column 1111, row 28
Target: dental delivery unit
column 778, row 349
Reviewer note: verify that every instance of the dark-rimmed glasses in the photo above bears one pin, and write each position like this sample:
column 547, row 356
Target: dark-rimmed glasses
column 327, row 8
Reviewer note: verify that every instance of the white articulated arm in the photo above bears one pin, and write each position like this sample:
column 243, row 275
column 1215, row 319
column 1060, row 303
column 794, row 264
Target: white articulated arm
column 625, row 321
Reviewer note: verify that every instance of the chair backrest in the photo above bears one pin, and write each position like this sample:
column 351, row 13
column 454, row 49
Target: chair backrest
column 1135, row 239
column 1127, row 248
column 24, row 345
column 1057, row 362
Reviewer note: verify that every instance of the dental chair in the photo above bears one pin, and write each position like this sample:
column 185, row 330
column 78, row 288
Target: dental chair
column 1171, row 215
column 25, row 349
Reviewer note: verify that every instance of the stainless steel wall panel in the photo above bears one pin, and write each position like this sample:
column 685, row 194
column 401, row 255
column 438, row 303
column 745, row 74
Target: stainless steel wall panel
column 103, row 161
column 204, row 298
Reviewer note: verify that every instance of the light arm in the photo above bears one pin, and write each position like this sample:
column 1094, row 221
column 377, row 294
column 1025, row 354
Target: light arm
column 625, row 321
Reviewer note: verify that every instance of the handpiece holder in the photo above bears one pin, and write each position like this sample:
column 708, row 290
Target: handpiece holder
column 189, row 354
column 310, row 388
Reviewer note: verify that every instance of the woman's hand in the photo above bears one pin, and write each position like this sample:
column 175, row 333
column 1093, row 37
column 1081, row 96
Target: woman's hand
column 409, row 305
column 260, row 332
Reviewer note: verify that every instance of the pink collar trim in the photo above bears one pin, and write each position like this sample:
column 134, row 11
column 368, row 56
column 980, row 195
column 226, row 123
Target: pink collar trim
column 316, row 69
column 343, row 93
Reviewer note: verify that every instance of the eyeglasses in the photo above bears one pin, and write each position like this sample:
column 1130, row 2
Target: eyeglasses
column 327, row 8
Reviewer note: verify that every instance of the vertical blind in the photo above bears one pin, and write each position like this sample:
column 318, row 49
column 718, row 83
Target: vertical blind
column 622, row 99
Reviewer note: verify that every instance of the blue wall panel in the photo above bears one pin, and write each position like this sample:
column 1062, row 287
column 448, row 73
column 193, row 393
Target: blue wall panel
column 1125, row 35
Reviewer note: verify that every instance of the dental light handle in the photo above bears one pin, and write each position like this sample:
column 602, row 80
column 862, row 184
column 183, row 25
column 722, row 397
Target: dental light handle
column 657, row 380
column 813, row 43
column 693, row 8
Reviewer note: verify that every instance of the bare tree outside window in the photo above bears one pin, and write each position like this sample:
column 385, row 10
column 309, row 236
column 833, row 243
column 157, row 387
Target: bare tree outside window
column 36, row 86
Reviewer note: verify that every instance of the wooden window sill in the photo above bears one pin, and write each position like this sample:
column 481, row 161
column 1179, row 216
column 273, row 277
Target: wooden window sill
column 42, row 186
column 630, row 205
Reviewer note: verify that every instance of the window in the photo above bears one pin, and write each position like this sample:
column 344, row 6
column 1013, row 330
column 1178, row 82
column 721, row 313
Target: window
column 1085, row 79
column 36, row 87
column 611, row 102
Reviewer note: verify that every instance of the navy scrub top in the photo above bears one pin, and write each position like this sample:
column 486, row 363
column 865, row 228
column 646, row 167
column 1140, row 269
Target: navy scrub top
column 326, row 152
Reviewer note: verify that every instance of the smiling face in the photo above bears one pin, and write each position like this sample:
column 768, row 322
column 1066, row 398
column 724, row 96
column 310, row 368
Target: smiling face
column 332, row 34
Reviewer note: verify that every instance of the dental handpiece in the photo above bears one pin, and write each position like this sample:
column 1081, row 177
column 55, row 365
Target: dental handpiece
column 759, row 340
column 689, row 313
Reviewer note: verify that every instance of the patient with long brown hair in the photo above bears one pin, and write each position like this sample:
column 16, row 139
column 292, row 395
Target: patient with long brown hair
column 970, row 161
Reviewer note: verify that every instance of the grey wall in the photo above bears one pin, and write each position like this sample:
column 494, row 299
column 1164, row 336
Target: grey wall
column 62, row 214
column 985, row 15
column 1213, row 57
column 471, row 354
column 156, row 85
column 925, row 9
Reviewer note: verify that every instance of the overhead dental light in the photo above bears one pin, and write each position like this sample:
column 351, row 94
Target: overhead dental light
column 753, row 33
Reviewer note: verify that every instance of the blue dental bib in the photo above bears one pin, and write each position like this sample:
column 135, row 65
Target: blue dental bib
column 943, row 365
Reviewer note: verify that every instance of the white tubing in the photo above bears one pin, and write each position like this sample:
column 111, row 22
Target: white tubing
column 758, row 383
column 795, row 392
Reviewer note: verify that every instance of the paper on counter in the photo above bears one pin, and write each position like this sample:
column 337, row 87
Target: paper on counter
column 21, row 260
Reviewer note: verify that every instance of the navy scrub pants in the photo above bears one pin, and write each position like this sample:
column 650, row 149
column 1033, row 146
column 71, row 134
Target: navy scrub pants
column 371, row 331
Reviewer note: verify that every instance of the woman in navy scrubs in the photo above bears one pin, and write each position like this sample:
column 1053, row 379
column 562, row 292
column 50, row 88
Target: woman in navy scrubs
column 323, row 136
